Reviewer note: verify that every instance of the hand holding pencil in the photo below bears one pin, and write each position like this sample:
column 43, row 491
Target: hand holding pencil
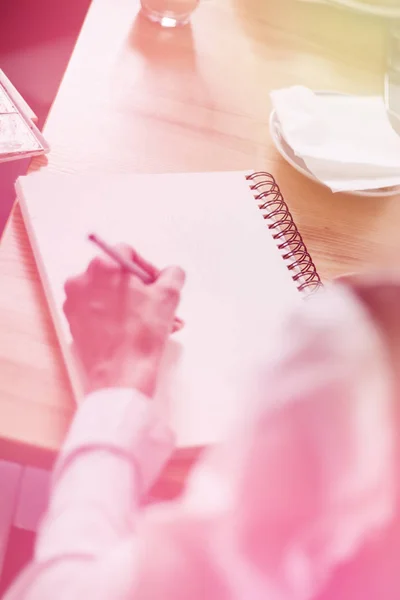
column 136, row 266
column 120, row 324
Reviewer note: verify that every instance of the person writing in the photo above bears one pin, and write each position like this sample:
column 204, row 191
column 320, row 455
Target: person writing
column 301, row 502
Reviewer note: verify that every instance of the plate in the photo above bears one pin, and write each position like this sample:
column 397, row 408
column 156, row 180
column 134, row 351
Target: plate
column 298, row 163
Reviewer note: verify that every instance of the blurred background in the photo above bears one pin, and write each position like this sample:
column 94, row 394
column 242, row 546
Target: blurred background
column 36, row 41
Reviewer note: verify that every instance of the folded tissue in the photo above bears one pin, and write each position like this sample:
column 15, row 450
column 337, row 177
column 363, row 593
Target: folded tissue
column 347, row 142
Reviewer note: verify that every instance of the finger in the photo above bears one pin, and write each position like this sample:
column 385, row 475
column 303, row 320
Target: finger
column 74, row 285
column 171, row 278
column 168, row 287
column 131, row 254
column 109, row 281
column 178, row 324
column 102, row 265
column 145, row 265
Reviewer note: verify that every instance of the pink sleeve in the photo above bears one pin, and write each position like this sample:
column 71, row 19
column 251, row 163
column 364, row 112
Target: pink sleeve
column 114, row 451
column 306, row 479
column 310, row 476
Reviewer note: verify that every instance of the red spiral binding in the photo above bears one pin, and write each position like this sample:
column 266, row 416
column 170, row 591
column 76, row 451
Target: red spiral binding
column 275, row 209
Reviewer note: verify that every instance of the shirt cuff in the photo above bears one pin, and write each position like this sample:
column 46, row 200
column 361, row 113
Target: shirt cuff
column 121, row 420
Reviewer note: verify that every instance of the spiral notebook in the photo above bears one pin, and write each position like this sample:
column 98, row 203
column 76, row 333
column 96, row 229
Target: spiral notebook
column 244, row 258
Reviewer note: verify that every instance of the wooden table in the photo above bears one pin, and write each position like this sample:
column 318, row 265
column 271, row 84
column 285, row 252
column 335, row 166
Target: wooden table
column 136, row 98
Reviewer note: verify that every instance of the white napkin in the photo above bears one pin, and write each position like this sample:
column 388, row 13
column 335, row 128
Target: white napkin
column 347, row 142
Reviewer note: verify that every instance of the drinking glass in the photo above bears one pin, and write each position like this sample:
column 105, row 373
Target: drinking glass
column 169, row 13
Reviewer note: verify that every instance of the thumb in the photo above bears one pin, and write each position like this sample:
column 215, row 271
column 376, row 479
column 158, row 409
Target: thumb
column 171, row 278
column 169, row 285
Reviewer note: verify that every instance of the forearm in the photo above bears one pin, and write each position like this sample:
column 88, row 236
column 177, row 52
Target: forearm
column 114, row 451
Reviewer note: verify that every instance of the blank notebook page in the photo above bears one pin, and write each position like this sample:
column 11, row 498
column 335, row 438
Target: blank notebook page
column 238, row 286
